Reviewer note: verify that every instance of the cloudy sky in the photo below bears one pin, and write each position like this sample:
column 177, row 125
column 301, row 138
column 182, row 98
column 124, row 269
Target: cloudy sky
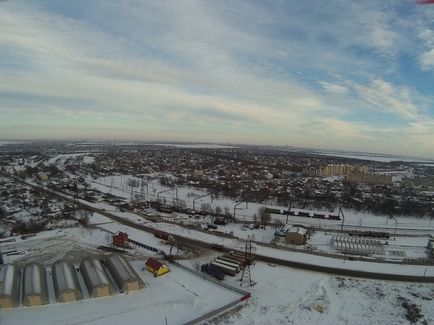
column 337, row 74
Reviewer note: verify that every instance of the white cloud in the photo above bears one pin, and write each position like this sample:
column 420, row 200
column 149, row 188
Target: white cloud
column 334, row 88
column 427, row 59
column 205, row 66
column 387, row 97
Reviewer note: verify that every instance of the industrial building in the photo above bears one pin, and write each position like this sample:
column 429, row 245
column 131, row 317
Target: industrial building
column 295, row 235
column 123, row 274
column 96, row 278
column 9, row 286
column 65, row 282
column 156, row 267
column 34, row 285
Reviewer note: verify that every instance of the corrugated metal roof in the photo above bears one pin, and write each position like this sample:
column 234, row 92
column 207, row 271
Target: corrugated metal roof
column 33, row 279
column 63, row 276
column 7, row 277
column 291, row 229
column 95, row 272
column 119, row 265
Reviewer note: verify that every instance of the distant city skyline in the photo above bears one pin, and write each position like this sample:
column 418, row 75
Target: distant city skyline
column 338, row 75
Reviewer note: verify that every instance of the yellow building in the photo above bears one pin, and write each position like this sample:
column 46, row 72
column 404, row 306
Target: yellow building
column 155, row 267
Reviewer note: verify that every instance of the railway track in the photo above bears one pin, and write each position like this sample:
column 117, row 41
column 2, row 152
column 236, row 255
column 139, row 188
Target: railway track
column 268, row 259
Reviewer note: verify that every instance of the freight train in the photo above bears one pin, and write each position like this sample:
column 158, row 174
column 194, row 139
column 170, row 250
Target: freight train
column 305, row 214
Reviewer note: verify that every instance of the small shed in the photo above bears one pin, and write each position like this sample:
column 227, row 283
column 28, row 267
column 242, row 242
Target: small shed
column 120, row 239
column 156, row 267
column 65, row 282
column 123, row 274
column 34, row 285
column 9, row 286
column 295, row 235
column 96, row 278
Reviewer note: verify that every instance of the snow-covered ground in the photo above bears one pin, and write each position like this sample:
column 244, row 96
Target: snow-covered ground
column 284, row 295
column 177, row 297
column 118, row 185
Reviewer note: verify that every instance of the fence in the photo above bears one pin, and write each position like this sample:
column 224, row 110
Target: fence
column 245, row 295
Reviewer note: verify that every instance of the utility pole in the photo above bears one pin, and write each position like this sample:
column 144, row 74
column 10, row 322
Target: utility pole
column 235, row 207
column 396, row 223
column 343, row 218
column 246, row 277
column 200, row 197
column 287, row 212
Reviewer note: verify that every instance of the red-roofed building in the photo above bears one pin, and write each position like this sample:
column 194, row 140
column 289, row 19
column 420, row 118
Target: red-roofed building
column 120, row 239
column 156, row 267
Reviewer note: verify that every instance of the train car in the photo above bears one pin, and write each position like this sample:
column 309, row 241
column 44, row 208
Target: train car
column 217, row 246
column 163, row 235
column 214, row 271
column 229, row 259
column 220, row 221
column 231, row 264
column 319, row 216
column 238, row 259
column 304, row 214
column 334, row 217
column 164, row 209
column 224, row 268
column 272, row 210
column 241, row 257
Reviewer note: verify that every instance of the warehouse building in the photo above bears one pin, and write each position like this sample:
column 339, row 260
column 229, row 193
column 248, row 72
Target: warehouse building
column 125, row 277
column 96, row 278
column 295, row 235
column 65, row 282
column 9, row 286
column 34, row 285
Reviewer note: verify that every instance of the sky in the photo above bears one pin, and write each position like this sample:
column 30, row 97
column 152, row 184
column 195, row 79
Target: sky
column 335, row 74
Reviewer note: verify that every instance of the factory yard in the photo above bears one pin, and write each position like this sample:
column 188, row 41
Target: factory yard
column 179, row 295
column 281, row 295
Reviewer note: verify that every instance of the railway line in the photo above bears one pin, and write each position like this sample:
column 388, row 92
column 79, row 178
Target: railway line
column 259, row 257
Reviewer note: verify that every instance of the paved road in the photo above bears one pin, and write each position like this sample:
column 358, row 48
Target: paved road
column 268, row 259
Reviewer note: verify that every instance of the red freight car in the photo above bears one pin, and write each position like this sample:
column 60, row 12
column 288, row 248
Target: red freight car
column 120, row 239
column 163, row 235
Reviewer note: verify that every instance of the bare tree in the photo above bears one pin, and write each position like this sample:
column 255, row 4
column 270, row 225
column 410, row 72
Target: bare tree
column 255, row 219
column 206, row 207
column 264, row 216
column 218, row 210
